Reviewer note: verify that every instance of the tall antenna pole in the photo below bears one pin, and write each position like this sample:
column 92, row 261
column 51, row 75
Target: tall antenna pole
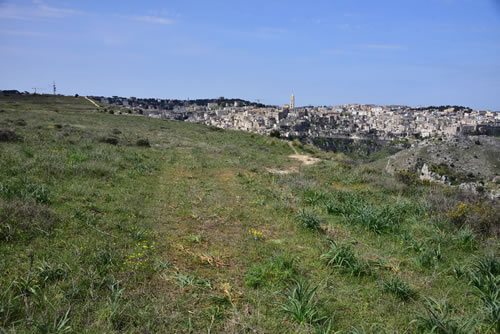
column 54, row 87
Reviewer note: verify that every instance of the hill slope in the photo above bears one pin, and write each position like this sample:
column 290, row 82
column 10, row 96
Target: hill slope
column 128, row 224
column 472, row 159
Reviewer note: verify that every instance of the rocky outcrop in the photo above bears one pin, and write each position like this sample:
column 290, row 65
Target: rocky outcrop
column 427, row 175
column 471, row 163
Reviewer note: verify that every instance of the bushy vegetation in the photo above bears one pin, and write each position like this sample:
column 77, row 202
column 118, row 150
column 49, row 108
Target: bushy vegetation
column 112, row 223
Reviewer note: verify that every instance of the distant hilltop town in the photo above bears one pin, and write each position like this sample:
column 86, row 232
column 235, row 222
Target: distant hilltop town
column 355, row 121
column 364, row 121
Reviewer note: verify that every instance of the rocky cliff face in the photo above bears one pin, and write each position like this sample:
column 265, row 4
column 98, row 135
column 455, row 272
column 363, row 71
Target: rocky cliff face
column 356, row 148
column 468, row 162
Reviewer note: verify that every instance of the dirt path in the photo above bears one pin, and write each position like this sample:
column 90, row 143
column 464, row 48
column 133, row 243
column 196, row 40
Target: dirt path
column 306, row 160
column 95, row 104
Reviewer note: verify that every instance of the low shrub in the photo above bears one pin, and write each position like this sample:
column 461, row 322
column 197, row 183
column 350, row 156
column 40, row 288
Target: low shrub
column 109, row 140
column 482, row 215
column 465, row 208
column 275, row 134
column 143, row 142
column 25, row 220
column 7, row 135
column 407, row 177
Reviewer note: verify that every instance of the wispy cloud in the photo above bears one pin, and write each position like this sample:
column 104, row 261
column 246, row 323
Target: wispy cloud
column 38, row 10
column 383, row 46
column 337, row 52
column 354, row 50
column 23, row 33
column 153, row 19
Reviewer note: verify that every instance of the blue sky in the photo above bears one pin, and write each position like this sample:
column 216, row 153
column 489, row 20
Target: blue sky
column 414, row 52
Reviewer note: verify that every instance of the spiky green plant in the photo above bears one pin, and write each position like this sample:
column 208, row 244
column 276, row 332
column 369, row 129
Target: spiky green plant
column 308, row 219
column 426, row 258
column 492, row 312
column 184, row 280
column 58, row 324
column 357, row 330
column 438, row 319
column 399, row 288
column 466, row 238
column 300, row 303
column 313, row 197
column 342, row 256
column 485, row 276
column 375, row 219
column 343, row 203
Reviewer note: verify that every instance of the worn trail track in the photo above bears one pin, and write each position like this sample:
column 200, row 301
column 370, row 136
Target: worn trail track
column 305, row 159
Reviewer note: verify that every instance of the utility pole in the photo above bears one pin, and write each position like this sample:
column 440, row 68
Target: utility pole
column 54, row 87
column 35, row 88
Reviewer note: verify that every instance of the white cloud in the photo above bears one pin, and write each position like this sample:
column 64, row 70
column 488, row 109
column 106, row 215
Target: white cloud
column 38, row 10
column 153, row 19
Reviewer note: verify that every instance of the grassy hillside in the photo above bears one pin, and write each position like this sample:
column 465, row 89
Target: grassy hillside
column 127, row 224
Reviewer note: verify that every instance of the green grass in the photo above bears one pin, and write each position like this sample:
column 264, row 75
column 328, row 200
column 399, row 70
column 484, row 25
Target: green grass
column 399, row 288
column 100, row 235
